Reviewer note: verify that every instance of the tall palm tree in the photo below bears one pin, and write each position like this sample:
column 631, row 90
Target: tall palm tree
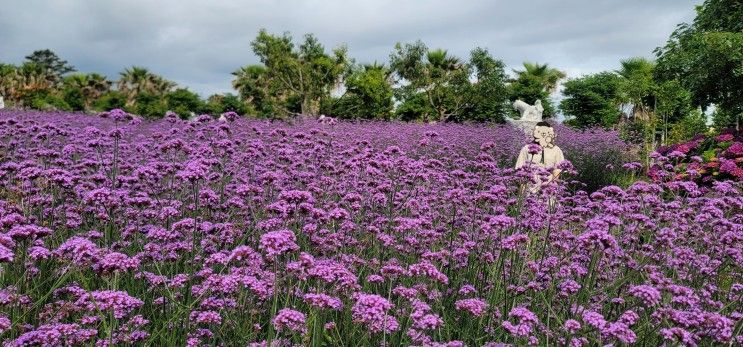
column 161, row 86
column 92, row 86
column 444, row 72
column 7, row 85
column 18, row 82
column 251, row 83
column 636, row 90
column 550, row 77
column 138, row 80
column 440, row 58
column 376, row 66
column 634, row 66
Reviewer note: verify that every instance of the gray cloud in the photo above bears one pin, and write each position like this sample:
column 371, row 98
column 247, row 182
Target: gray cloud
column 199, row 43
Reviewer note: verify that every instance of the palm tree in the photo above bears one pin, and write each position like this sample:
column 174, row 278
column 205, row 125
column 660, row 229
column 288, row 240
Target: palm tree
column 161, row 86
column 376, row 66
column 139, row 80
column 440, row 59
column 252, row 84
column 444, row 72
column 18, row 82
column 92, row 86
column 549, row 77
column 7, row 85
column 637, row 87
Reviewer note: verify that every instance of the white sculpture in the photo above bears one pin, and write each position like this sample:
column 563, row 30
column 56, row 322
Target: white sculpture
column 2, row 102
column 530, row 115
column 529, row 112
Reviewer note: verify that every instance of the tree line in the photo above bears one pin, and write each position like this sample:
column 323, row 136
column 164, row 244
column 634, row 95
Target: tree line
column 45, row 81
column 701, row 65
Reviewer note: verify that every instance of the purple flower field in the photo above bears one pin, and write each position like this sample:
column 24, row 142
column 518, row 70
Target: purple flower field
column 115, row 231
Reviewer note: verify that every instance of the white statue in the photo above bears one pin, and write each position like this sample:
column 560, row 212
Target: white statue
column 2, row 102
column 528, row 112
column 530, row 116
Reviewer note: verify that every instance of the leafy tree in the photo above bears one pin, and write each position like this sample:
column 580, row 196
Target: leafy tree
column 7, row 83
column 183, row 101
column 724, row 118
column 673, row 105
column 221, row 103
column 706, row 56
column 28, row 84
column 109, row 101
column 592, row 100
column 686, row 128
column 442, row 78
column 368, row 94
column 306, row 74
column 488, row 95
column 47, row 102
column 74, row 98
column 50, row 63
column 148, row 105
column 412, row 107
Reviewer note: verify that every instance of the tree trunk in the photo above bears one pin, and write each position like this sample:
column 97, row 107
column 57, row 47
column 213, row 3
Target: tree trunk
column 310, row 107
column 442, row 114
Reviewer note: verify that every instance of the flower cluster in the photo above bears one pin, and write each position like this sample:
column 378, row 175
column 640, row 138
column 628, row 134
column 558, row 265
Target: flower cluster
column 231, row 231
column 703, row 159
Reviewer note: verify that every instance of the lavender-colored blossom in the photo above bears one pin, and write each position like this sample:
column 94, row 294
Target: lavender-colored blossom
column 647, row 294
column 371, row 310
column 144, row 231
column 474, row 306
column 278, row 242
column 291, row 320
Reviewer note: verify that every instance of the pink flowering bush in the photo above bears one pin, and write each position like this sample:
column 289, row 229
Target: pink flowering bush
column 703, row 159
column 237, row 232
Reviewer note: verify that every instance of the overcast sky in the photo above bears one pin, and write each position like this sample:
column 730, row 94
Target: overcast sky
column 198, row 43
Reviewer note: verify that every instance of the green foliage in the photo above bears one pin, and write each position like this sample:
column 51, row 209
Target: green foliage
column 110, row 101
column 535, row 82
column 706, row 56
column 529, row 88
column 251, row 82
column 637, row 87
column 148, row 106
column 50, row 63
column 673, row 101
column 307, row 74
column 442, row 79
column 690, row 125
column 368, row 94
column 183, row 101
column 138, row 80
column 488, row 95
column 413, row 107
column 547, row 76
column 221, row 103
column 722, row 118
column 592, row 100
column 74, row 98
column 81, row 90
column 44, row 100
